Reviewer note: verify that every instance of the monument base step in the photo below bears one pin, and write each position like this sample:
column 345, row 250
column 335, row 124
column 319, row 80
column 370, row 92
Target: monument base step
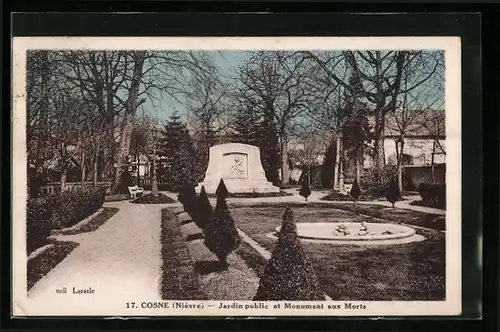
column 236, row 187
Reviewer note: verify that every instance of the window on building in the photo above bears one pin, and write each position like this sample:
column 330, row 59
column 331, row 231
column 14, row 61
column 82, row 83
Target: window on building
column 407, row 159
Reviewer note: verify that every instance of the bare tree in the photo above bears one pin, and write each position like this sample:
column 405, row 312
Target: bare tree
column 335, row 107
column 415, row 108
column 279, row 85
column 118, row 82
column 40, row 84
column 308, row 148
column 380, row 74
column 206, row 101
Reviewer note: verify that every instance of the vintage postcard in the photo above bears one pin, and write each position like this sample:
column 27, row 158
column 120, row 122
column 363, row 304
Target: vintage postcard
column 236, row 176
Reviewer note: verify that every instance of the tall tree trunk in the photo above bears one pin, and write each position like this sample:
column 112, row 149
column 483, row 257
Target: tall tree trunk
column 96, row 164
column 400, row 162
column 357, row 168
column 341, row 166
column 130, row 108
column 83, row 169
column 63, row 178
column 433, row 161
column 108, row 152
column 137, row 158
column 122, row 153
column 285, row 171
column 378, row 149
column 336, row 179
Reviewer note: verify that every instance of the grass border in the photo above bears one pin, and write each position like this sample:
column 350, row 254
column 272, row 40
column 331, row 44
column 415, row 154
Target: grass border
column 93, row 224
column 39, row 266
column 252, row 258
column 178, row 277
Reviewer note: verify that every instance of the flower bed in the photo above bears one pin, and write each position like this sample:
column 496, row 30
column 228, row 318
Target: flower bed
column 59, row 211
column 179, row 280
column 117, row 197
column 336, row 196
column 365, row 196
column 152, row 199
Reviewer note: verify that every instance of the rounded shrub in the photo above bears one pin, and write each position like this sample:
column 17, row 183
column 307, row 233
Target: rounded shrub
column 289, row 274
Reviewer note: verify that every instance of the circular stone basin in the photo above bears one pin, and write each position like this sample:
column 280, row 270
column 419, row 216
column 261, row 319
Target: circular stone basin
column 376, row 231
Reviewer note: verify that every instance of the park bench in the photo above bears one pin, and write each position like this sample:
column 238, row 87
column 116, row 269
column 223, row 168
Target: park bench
column 134, row 190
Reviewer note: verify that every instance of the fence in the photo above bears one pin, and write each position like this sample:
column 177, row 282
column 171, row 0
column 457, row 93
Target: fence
column 55, row 187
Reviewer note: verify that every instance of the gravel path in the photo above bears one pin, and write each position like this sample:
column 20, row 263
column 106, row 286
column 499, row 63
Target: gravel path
column 120, row 261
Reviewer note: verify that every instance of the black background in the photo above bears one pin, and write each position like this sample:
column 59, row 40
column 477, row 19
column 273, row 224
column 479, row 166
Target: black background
column 480, row 161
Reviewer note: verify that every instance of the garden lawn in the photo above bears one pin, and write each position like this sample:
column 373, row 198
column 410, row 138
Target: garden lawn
column 395, row 215
column 413, row 271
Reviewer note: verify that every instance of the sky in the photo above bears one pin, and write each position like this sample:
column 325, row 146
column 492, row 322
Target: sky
column 227, row 61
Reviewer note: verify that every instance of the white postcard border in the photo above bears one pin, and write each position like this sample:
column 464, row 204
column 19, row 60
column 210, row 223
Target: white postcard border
column 22, row 306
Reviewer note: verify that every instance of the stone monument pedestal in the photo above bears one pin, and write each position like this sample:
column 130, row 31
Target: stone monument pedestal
column 240, row 167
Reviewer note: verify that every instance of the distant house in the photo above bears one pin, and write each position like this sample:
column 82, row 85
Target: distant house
column 424, row 139
column 73, row 168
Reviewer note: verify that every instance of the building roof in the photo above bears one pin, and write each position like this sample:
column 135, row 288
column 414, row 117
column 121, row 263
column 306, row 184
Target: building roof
column 416, row 123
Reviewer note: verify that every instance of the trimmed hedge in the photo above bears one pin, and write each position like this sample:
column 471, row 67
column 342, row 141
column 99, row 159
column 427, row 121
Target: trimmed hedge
column 179, row 280
column 433, row 195
column 59, row 211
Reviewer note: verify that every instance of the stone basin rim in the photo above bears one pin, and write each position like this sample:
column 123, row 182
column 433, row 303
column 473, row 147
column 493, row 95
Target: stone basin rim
column 405, row 232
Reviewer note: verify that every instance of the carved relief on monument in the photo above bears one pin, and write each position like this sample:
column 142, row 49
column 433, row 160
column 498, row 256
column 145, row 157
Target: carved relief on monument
column 235, row 166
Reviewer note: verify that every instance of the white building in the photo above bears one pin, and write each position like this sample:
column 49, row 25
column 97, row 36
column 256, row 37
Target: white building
column 424, row 139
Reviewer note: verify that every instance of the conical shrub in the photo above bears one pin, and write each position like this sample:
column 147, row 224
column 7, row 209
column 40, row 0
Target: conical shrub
column 182, row 198
column 190, row 203
column 288, row 224
column 221, row 191
column 393, row 193
column 289, row 274
column 355, row 190
column 203, row 212
column 221, row 235
column 221, row 194
column 305, row 191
